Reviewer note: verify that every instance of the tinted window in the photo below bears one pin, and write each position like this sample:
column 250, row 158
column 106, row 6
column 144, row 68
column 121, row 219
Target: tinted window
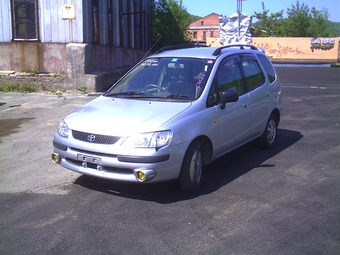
column 229, row 75
column 267, row 67
column 252, row 72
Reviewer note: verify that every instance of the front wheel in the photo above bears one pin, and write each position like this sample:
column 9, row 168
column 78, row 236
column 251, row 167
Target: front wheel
column 191, row 172
column 269, row 135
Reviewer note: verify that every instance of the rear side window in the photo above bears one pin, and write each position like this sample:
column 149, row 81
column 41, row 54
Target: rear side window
column 267, row 67
column 253, row 75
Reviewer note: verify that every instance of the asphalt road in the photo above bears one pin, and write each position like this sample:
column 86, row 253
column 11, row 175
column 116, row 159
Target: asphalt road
column 280, row 201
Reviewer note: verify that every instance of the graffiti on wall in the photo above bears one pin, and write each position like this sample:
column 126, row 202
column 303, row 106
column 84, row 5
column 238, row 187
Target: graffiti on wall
column 279, row 51
column 321, row 44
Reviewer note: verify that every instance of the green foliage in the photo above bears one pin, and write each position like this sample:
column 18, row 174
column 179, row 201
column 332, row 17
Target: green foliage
column 25, row 87
column 171, row 21
column 194, row 18
column 335, row 65
column 18, row 87
column 269, row 25
column 82, row 89
column 298, row 21
column 333, row 28
column 318, row 23
column 31, row 72
column 301, row 21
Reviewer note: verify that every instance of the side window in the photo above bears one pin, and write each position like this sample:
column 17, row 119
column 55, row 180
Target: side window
column 253, row 75
column 267, row 67
column 229, row 76
column 213, row 96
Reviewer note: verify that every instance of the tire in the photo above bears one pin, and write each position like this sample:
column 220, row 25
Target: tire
column 268, row 137
column 191, row 172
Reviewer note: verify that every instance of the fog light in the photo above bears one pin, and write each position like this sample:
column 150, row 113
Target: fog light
column 141, row 176
column 55, row 158
column 144, row 175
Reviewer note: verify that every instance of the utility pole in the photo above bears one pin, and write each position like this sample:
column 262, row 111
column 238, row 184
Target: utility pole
column 239, row 11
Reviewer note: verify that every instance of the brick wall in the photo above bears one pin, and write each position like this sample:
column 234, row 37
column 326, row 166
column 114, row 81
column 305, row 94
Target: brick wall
column 204, row 28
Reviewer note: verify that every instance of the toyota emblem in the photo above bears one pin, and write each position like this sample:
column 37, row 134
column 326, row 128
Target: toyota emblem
column 91, row 138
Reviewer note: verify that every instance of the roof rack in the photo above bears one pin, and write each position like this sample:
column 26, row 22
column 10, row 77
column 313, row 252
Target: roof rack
column 180, row 46
column 242, row 46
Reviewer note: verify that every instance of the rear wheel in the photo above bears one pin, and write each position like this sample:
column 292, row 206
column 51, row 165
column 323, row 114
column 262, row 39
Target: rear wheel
column 191, row 173
column 269, row 135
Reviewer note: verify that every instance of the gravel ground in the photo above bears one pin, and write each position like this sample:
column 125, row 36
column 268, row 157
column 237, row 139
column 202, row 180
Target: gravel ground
column 24, row 153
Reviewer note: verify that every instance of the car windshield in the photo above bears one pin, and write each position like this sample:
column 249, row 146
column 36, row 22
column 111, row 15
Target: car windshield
column 164, row 78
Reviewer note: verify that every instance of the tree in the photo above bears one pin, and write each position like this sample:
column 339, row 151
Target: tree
column 268, row 25
column 319, row 23
column 298, row 21
column 171, row 21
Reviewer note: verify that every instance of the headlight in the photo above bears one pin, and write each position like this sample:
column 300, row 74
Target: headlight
column 149, row 140
column 63, row 129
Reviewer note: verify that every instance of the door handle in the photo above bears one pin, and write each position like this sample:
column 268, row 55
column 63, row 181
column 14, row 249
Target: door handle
column 246, row 105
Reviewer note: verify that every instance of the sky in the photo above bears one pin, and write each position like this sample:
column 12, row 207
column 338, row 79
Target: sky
column 228, row 7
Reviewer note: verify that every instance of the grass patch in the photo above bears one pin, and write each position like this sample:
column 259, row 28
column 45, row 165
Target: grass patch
column 335, row 64
column 29, row 88
column 31, row 72
column 18, row 87
column 82, row 89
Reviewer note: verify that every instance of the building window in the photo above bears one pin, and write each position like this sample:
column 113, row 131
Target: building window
column 202, row 23
column 25, row 20
column 95, row 13
column 204, row 36
column 195, row 35
column 211, row 33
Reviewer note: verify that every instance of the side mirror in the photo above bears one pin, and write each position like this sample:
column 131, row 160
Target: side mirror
column 228, row 96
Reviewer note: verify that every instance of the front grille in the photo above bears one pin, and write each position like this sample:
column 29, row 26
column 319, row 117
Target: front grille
column 94, row 138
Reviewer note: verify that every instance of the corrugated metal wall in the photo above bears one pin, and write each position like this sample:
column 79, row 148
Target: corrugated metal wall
column 53, row 28
column 5, row 24
column 106, row 35
column 120, row 23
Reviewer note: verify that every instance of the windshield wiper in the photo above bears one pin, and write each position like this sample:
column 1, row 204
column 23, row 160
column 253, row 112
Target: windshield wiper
column 129, row 93
column 178, row 96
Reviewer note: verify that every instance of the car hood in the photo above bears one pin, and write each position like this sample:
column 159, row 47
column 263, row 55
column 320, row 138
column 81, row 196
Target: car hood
column 123, row 117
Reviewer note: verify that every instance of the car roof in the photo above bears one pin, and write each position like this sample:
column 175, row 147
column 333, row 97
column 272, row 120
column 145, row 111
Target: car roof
column 194, row 51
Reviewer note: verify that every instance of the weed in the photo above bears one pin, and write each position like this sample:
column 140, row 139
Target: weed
column 18, row 87
column 32, row 72
column 82, row 89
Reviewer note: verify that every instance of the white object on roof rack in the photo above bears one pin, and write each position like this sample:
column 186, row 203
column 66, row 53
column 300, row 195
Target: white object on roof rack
column 235, row 29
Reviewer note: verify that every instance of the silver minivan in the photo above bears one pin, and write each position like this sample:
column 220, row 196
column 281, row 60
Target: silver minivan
column 173, row 113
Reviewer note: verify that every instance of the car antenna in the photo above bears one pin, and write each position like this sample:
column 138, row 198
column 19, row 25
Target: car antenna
column 152, row 47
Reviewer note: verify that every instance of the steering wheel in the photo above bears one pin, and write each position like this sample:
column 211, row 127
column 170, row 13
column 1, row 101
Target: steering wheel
column 151, row 86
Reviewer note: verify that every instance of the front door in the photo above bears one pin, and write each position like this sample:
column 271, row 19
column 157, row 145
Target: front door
column 234, row 121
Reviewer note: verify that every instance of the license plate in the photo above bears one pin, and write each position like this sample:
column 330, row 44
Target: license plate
column 89, row 159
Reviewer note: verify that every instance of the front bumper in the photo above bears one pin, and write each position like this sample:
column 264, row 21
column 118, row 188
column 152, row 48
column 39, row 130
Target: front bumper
column 131, row 165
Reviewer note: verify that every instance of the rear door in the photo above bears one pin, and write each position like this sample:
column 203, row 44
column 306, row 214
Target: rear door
column 257, row 87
